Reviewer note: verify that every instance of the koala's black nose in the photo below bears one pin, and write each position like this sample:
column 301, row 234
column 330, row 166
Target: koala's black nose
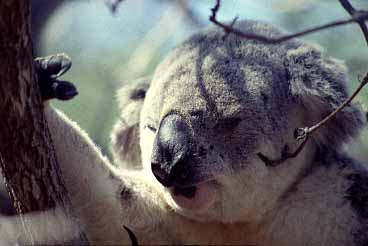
column 171, row 150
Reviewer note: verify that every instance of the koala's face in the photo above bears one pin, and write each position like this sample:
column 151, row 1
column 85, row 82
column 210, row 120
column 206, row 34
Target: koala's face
column 212, row 106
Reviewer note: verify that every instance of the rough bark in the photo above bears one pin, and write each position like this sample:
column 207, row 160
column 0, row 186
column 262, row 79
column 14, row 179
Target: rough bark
column 27, row 157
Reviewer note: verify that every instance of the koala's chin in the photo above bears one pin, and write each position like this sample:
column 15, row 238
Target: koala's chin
column 201, row 206
column 198, row 198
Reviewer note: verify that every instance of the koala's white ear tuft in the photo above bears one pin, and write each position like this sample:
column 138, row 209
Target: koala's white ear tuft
column 319, row 84
column 125, row 134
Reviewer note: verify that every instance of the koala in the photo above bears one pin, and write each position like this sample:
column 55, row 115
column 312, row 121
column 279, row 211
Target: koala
column 188, row 140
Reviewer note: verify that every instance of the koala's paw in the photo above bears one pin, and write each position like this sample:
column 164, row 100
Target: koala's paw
column 48, row 70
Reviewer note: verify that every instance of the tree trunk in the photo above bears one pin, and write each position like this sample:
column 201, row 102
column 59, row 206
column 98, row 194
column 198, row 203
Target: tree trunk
column 27, row 157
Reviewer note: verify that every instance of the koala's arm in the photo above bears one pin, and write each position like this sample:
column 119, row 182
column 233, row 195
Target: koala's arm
column 85, row 173
column 104, row 198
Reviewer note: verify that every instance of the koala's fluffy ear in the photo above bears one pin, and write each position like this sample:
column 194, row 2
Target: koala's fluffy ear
column 319, row 84
column 125, row 134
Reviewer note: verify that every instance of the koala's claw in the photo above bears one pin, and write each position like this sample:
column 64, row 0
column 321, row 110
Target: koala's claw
column 53, row 66
column 64, row 90
column 48, row 70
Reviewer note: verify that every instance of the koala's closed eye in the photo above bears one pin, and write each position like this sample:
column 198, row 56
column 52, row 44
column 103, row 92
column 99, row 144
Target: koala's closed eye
column 227, row 124
column 150, row 127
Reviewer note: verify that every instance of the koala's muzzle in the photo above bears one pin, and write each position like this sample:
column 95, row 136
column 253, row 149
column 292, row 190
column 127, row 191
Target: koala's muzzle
column 171, row 151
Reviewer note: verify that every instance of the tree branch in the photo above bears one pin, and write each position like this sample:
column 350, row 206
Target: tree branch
column 302, row 134
column 318, row 125
column 358, row 16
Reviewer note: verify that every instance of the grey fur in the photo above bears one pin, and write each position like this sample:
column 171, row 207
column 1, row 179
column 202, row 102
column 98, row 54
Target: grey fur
column 357, row 194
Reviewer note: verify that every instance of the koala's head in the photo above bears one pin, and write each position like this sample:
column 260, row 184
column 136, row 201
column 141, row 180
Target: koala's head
column 213, row 105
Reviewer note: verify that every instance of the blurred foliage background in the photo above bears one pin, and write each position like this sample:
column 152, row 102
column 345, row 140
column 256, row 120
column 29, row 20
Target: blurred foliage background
column 109, row 49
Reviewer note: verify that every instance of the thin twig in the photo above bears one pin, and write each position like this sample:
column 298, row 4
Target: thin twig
column 304, row 133
column 343, row 105
column 347, row 6
column 358, row 16
column 285, row 154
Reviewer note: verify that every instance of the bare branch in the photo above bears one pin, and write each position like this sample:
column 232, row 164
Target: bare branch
column 285, row 154
column 347, row 6
column 358, row 16
column 304, row 133
column 315, row 127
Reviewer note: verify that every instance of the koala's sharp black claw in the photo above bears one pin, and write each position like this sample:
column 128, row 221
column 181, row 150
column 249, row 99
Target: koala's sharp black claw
column 53, row 66
column 132, row 237
column 64, row 90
